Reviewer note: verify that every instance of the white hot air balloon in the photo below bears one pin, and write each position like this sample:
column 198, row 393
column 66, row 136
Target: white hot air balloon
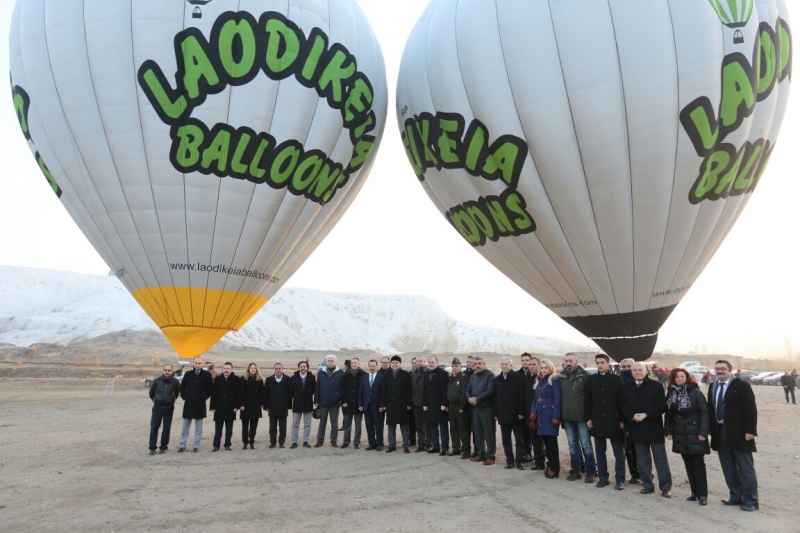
column 204, row 147
column 596, row 152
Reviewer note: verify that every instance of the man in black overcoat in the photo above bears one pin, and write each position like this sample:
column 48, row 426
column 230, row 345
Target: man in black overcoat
column 601, row 408
column 304, row 385
column 397, row 393
column 277, row 401
column 196, row 388
column 434, row 405
column 509, row 411
column 351, row 381
column 226, row 399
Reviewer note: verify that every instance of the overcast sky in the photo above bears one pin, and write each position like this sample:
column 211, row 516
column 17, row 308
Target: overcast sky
column 394, row 241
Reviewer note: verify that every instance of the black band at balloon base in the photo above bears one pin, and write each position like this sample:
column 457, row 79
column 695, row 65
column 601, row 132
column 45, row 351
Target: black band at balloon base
column 636, row 348
column 624, row 335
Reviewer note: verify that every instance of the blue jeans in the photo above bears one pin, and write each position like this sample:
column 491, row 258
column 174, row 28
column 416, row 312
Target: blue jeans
column 160, row 414
column 578, row 431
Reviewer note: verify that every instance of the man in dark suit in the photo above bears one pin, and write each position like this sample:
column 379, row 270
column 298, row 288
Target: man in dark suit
column 397, row 384
column 434, row 404
column 303, row 386
column 351, row 383
column 509, row 411
column 196, row 388
column 643, row 404
column 603, row 420
column 733, row 430
column 371, row 402
column 277, row 401
column 525, row 361
column 226, row 399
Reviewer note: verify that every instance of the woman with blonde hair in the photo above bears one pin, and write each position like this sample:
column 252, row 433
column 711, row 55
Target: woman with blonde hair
column 546, row 413
column 252, row 404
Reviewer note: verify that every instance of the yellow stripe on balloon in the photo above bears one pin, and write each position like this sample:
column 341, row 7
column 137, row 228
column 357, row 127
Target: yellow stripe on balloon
column 193, row 319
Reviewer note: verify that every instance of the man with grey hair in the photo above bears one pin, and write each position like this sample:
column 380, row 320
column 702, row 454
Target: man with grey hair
column 643, row 405
column 630, row 450
column 195, row 390
column 327, row 400
column 480, row 394
column 509, row 411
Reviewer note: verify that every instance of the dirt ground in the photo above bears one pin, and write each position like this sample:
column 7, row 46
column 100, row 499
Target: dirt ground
column 75, row 459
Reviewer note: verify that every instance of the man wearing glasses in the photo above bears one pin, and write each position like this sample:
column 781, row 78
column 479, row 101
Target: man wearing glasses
column 733, row 430
column 630, row 449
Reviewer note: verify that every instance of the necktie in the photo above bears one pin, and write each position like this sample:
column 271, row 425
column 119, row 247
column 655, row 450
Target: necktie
column 720, row 400
column 371, row 379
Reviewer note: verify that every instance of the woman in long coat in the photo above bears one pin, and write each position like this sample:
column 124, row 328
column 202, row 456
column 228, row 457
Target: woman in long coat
column 252, row 404
column 546, row 412
column 687, row 425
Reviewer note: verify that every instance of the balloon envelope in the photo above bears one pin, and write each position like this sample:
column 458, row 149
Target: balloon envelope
column 595, row 152
column 205, row 148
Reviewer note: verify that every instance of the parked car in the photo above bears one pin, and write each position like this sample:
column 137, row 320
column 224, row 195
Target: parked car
column 745, row 375
column 699, row 371
column 689, row 364
column 773, row 380
column 759, row 379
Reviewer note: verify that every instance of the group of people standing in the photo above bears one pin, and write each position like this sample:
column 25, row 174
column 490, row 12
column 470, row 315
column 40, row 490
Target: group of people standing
column 435, row 409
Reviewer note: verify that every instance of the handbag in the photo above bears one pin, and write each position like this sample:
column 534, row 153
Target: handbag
column 532, row 422
column 315, row 413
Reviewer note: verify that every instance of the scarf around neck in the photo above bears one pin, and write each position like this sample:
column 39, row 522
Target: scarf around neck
column 679, row 397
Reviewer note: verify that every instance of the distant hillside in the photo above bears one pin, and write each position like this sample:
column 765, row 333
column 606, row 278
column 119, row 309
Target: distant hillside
column 44, row 306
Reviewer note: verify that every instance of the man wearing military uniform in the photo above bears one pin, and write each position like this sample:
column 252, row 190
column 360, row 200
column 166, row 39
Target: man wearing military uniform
column 460, row 414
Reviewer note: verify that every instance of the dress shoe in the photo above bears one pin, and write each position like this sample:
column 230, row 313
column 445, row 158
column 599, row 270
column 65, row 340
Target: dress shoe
column 252, row 446
column 162, row 452
column 692, row 498
column 451, row 453
column 619, row 485
column 215, row 449
column 391, row 449
column 343, row 446
column 730, row 502
column 477, row 459
column 537, row 467
column 306, row 445
column 488, row 462
column 318, row 445
column 443, row 453
column 334, row 444
column 465, row 456
column 419, row 449
column 551, row 474
column 666, row 494
column 356, row 446
column 520, row 467
column 293, row 446
column 590, row 479
column 434, row 450
column 228, row 448
column 635, row 481
column 406, row 450
column 281, row 445
column 602, row 483
column 152, row 452
column 527, row 458
column 647, row 491
column 181, row 450
column 703, row 500
column 369, row 448
column 271, row 444
column 379, row 449
column 509, row 467
column 749, row 508
column 244, row 446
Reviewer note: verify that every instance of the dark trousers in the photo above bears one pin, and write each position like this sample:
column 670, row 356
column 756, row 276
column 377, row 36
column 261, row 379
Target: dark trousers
column 412, row 428
column 630, row 456
column 659, row 456
column 789, row 391
column 421, row 427
column 391, row 433
column 505, row 431
column 459, row 429
column 537, row 446
column 373, row 421
column 527, row 438
column 325, row 413
column 218, row 432
column 618, row 447
column 739, row 471
column 159, row 415
column 551, row 447
column 347, row 427
column 485, row 431
column 274, row 423
column 696, row 472
column 437, row 430
column 249, row 430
